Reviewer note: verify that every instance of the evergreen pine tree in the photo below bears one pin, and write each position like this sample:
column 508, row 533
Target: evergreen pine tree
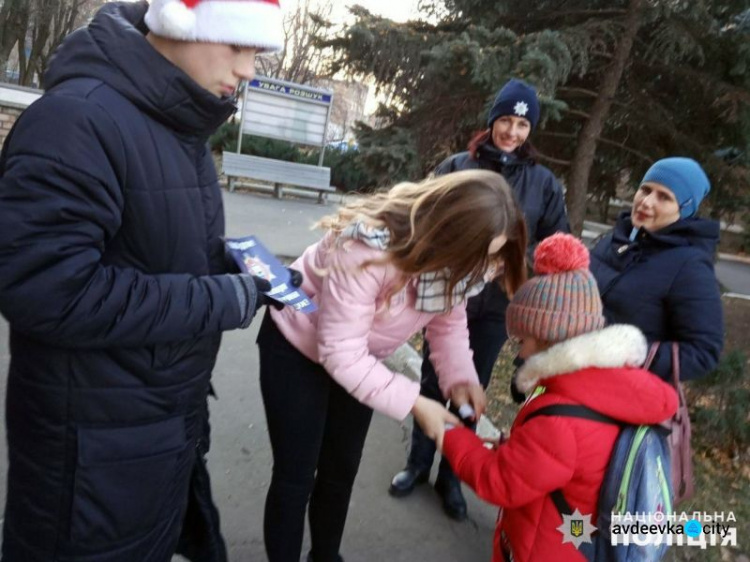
column 622, row 83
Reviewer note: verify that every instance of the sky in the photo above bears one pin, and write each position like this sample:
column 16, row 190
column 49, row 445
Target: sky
column 397, row 10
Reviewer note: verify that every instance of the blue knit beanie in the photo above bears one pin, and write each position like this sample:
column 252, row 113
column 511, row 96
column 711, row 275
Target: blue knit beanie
column 685, row 178
column 516, row 98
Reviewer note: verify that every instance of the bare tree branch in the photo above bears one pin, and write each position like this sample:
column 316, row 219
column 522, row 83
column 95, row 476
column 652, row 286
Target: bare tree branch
column 300, row 59
column 610, row 142
column 581, row 91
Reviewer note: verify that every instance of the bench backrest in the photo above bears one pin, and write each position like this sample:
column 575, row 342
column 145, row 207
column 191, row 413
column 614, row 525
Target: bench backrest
column 276, row 171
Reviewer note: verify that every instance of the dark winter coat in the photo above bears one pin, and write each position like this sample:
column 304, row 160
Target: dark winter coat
column 664, row 283
column 539, row 195
column 111, row 277
column 549, row 453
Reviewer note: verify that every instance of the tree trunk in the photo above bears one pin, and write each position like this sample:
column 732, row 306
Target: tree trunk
column 51, row 22
column 13, row 14
column 583, row 158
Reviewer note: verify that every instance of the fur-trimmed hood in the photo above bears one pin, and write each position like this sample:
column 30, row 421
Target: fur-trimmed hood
column 620, row 345
column 601, row 370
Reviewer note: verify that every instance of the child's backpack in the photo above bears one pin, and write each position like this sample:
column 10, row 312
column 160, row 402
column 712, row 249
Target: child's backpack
column 636, row 483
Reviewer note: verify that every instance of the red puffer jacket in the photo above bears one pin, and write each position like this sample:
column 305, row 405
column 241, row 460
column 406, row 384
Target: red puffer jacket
column 551, row 452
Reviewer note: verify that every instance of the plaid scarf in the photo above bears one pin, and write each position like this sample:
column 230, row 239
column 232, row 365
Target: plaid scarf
column 431, row 286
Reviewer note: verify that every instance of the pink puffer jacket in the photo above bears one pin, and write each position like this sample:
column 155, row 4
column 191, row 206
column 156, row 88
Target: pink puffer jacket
column 354, row 328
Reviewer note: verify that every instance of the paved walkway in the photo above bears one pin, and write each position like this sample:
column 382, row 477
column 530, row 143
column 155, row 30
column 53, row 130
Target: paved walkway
column 284, row 225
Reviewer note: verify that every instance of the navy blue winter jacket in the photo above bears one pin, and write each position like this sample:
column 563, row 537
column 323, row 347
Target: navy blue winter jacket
column 540, row 197
column 664, row 283
column 112, row 278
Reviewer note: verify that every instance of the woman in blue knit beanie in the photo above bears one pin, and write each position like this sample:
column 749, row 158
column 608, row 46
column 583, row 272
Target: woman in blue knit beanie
column 656, row 269
column 502, row 147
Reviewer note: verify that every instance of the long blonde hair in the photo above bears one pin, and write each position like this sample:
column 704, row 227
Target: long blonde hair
column 445, row 223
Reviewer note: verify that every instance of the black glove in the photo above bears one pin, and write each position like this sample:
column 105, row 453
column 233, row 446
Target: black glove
column 296, row 277
column 252, row 289
column 262, row 286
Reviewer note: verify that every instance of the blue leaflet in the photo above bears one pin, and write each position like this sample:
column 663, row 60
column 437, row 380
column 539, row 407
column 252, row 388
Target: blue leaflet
column 254, row 258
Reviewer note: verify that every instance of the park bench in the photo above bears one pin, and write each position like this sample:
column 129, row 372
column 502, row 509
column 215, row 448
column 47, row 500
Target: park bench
column 277, row 172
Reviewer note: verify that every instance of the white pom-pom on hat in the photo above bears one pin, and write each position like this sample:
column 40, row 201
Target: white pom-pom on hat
column 178, row 20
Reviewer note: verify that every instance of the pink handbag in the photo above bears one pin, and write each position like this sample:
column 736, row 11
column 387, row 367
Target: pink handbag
column 681, row 453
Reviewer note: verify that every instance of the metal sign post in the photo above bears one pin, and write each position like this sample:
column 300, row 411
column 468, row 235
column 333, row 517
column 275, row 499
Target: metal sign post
column 286, row 111
column 242, row 119
column 323, row 146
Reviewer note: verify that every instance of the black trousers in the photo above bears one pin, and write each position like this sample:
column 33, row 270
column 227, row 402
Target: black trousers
column 317, row 433
column 487, row 335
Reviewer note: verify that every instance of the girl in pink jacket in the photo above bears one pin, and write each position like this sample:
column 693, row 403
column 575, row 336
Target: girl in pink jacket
column 388, row 266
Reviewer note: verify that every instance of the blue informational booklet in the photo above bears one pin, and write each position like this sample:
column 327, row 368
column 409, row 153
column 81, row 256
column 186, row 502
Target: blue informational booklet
column 254, row 258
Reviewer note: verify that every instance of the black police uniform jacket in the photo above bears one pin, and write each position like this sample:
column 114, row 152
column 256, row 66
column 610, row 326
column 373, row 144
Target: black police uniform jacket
column 542, row 202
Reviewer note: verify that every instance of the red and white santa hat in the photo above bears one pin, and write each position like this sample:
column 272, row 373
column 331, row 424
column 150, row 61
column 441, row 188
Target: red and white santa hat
column 251, row 23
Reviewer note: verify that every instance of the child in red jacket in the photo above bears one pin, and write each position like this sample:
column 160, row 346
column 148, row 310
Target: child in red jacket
column 570, row 359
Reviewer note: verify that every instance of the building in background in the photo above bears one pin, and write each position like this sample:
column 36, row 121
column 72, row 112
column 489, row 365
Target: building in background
column 349, row 99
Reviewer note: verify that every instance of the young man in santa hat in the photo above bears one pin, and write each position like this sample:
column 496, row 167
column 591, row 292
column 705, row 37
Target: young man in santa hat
column 113, row 280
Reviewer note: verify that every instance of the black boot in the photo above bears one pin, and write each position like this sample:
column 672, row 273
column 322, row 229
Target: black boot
column 405, row 481
column 449, row 489
column 417, row 471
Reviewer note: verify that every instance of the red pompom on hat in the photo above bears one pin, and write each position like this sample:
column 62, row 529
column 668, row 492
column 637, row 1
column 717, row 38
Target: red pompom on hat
column 248, row 23
column 563, row 300
column 560, row 252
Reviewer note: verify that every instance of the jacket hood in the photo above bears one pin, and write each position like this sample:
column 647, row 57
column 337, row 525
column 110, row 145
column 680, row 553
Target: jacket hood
column 697, row 232
column 113, row 49
column 601, row 370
